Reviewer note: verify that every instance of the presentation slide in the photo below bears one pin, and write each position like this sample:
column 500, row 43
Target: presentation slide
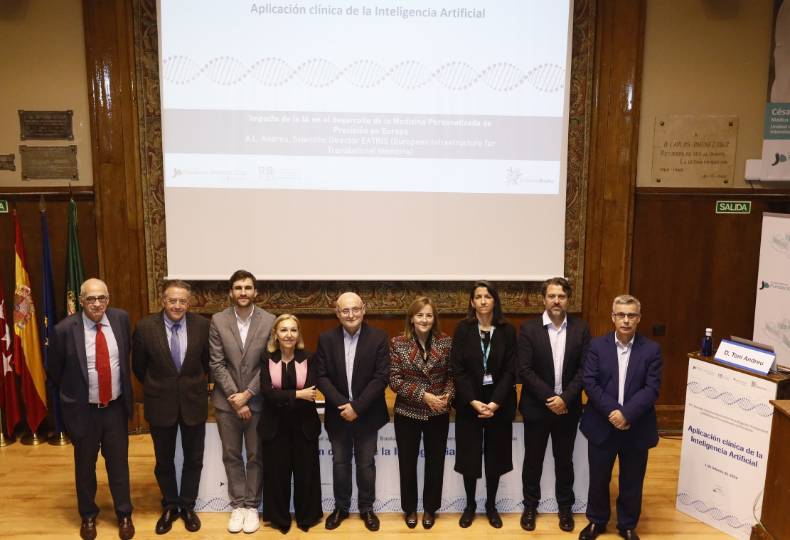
column 317, row 114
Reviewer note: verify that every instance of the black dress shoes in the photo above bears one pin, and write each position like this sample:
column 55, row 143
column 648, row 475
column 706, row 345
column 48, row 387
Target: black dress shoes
column 165, row 521
column 191, row 520
column 566, row 520
column 125, row 528
column 428, row 520
column 411, row 519
column 493, row 518
column 592, row 531
column 467, row 517
column 88, row 529
column 528, row 517
column 628, row 534
column 336, row 518
column 372, row 521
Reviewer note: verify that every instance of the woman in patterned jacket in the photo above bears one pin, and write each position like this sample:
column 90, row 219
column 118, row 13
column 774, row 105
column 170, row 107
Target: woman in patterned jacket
column 420, row 376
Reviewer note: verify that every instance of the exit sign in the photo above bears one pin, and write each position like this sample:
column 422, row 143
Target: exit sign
column 733, row 207
column 3, row 206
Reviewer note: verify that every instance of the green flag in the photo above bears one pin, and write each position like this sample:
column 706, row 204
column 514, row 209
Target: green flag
column 75, row 274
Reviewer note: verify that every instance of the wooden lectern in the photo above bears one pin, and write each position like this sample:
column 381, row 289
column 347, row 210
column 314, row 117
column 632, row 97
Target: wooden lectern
column 775, row 521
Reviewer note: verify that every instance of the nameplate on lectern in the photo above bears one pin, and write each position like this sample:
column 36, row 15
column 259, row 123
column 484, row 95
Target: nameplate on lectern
column 745, row 357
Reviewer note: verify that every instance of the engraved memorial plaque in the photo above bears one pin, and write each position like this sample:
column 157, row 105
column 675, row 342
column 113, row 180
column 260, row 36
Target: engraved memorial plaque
column 7, row 162
column 46, row 125
column 49, row 162
column 694, row 150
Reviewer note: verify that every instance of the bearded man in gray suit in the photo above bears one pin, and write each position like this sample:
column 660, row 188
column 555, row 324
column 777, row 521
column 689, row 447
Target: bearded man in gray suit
column 237, row 337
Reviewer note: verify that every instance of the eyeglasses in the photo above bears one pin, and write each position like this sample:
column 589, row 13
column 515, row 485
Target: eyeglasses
column 630, row 316
column 93, row 299
column 356, row 310
column 177, row 301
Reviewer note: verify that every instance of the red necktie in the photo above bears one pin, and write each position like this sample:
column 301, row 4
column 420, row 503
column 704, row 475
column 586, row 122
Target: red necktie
column 103, row 367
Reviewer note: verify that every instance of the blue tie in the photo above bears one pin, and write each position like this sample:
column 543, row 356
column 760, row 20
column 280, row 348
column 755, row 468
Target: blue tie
column 175, row 346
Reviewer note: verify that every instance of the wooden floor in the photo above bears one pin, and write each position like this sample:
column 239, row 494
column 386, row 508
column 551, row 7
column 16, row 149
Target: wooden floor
column 37, row 500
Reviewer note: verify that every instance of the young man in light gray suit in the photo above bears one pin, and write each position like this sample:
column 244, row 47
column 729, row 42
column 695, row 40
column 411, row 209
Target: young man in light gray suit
column 237, row 337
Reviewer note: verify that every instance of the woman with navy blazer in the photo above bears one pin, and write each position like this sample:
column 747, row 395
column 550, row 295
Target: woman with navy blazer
column 289, row 428
column 421, row 378
column 483, row 363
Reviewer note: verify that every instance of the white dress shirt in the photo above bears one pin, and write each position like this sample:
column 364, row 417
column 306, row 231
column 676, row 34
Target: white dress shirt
column 90, row 352
column 623, row 356
column 557, row 337
column 243, row 324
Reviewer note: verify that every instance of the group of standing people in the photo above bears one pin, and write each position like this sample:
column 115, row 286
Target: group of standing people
column 265, row 388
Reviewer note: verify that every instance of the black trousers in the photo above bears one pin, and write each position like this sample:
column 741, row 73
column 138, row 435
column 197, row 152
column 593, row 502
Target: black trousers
column 288, row 454
column 107, row 432
column 408, row 433
column 192, row 443
column 562, row 429
column 633, row 464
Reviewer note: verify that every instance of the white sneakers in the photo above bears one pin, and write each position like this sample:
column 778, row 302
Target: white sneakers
column 244, row 519
column 236, row 521
column 251, row 520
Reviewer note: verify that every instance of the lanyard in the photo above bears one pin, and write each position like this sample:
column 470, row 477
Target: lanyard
column 486, row 349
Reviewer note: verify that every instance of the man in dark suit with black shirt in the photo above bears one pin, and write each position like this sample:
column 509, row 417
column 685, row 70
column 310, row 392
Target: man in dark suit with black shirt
column 353, row 371
column 88, row 365
column 551, row 350
column 170, row 358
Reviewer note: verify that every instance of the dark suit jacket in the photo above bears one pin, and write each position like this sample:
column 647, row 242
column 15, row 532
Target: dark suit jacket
column 642, row 383
column 370, row 377
column 467, row 365
column 67, row 368
column 536, row 367
column 167, row 392
column 276, row 401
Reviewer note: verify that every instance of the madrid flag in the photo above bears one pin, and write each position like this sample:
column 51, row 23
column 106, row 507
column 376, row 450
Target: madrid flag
column 27, row 347
column 8, row 397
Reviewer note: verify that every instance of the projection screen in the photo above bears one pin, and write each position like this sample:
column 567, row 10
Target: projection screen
column 364, row 140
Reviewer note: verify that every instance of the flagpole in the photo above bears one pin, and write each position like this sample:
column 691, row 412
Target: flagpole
column 59, row 439
column 4, row 441
column 31, row 439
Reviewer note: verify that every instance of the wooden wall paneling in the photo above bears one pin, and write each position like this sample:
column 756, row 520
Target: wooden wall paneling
column 694, row 269
column 613, row 152
column 120, row 229
column 111, row 93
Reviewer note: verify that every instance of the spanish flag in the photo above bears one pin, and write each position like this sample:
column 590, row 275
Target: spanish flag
column 27, row 347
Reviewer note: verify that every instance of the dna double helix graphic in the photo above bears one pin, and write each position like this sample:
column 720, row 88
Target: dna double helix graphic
column 713, row 511
column 273, row 72
column 763, row 409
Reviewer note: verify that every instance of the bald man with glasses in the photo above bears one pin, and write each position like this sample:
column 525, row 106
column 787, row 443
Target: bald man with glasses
column 353, row 371
column 89, row 367
column 622, row 377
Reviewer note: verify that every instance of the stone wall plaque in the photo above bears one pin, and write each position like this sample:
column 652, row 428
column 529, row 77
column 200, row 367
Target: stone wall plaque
column 7, row 162
column 46, row 125
column 694, row 150
column 49, row 162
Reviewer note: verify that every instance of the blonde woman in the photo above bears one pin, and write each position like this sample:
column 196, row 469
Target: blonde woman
column 289, row 429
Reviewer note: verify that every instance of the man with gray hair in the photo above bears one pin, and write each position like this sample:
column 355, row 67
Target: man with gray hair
column 89, row 367
column 353, row 371
column 622, row 377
